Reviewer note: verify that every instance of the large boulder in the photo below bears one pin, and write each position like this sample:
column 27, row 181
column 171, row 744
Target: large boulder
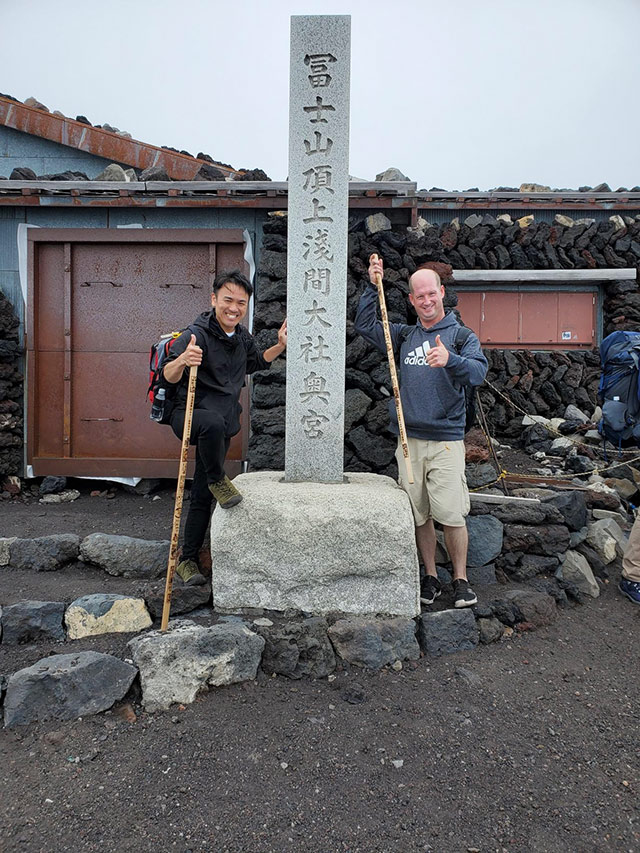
column 64, row 687
column 28, row 621
column 126, row 556
column 45, row 553
column 177, row 664
column 105, row 613
column 374, row 643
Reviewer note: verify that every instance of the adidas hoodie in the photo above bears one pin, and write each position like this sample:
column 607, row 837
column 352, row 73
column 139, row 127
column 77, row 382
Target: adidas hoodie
column 432, row 398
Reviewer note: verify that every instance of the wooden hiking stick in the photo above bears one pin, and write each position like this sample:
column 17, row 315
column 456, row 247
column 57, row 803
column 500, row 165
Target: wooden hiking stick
column 177, row 512
column 394, row 373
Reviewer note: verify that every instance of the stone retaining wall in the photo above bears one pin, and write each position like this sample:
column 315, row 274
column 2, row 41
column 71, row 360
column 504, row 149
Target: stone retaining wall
column 542, row 383
column 11, row 391
column 525, row 561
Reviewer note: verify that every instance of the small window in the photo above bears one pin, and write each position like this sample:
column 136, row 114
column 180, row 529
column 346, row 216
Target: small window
column 531, row 318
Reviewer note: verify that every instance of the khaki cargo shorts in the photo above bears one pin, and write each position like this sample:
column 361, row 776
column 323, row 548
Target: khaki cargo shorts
column 439, row 490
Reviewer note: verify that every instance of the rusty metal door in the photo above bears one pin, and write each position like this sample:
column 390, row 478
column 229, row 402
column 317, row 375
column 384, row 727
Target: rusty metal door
column 531, row 319
column 98, row 301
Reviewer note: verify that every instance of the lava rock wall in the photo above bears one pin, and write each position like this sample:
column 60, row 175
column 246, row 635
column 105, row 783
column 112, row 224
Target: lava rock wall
column 11, row 391
column 519, row 381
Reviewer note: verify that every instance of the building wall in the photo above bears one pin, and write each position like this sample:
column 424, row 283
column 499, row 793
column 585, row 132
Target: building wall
column 104, row 217
column 12, row 368
column 43, row 156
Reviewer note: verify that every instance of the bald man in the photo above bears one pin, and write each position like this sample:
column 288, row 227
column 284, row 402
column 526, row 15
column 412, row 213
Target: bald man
column 436, row 360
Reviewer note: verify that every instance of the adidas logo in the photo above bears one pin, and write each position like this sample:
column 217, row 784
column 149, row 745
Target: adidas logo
column 417, row 356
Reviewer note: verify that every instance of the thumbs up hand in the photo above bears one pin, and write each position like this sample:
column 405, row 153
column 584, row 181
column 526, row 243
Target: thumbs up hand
column 192, row 356
column 438, row 355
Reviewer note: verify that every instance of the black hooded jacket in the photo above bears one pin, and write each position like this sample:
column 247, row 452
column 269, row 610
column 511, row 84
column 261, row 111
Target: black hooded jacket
column 225, row 363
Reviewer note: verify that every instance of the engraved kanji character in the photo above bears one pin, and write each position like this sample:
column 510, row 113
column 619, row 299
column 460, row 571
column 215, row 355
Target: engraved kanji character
column 308, row 346
column 318, row 279
column 318, row 140
column 319, row 107
column 314, row 314
column 317, row 62
column 318, row 209
column 315, row 386
column 312, row 423
column 320, row 244
column 318, row 178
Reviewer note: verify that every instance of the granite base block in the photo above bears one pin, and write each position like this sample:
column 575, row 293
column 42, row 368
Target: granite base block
column 316, row 547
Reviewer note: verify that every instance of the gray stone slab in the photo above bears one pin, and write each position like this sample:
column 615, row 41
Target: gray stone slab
column 126, row 555
column 45, row 553
column 316, row 547
column 317, row 246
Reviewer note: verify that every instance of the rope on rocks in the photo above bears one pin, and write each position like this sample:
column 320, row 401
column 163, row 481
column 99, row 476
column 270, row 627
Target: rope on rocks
column 504, row 473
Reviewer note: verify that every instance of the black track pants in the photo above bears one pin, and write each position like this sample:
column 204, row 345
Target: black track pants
column 208, row 435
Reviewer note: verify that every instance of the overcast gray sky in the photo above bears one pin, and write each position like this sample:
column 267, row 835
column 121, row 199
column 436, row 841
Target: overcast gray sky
column 455, row 94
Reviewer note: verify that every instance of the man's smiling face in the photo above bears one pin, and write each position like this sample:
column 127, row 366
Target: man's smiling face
column 426, row 296
column 230, row 305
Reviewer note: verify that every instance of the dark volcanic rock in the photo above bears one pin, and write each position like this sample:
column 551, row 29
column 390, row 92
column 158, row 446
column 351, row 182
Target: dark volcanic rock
column 29, row 621
column 298, row 649
column 374, row 643
column 23, row 173
column 546, row 540
column 573, row 507
column 447, row 631
column 65, row 687
column 45, row 553
column 375, row 450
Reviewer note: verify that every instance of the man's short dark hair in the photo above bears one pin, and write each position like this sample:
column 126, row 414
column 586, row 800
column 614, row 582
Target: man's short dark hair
column 232, row 277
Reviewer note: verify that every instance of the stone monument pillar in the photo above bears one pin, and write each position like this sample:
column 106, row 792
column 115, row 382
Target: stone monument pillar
column 317, row 246
column 312, row 539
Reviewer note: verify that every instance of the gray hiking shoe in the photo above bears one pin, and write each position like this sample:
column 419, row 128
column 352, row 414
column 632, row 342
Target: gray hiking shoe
column 189, row 573
column 225, row 493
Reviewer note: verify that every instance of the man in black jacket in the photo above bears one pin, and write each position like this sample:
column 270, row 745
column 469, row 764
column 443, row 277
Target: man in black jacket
column 224, row 352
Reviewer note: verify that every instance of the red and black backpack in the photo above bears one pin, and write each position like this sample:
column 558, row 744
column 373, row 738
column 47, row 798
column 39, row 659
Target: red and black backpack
column 161, row 403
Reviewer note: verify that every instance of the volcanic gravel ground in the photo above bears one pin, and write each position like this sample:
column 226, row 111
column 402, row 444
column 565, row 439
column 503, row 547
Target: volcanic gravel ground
column 527, row 745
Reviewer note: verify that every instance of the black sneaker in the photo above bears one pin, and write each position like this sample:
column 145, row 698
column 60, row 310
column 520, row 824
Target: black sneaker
column 430, row 589
column 463, row 595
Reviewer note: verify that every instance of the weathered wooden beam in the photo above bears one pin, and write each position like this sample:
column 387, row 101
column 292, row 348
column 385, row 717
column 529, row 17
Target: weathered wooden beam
column 505, row 276
column 66, row 186
column 478, row 497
